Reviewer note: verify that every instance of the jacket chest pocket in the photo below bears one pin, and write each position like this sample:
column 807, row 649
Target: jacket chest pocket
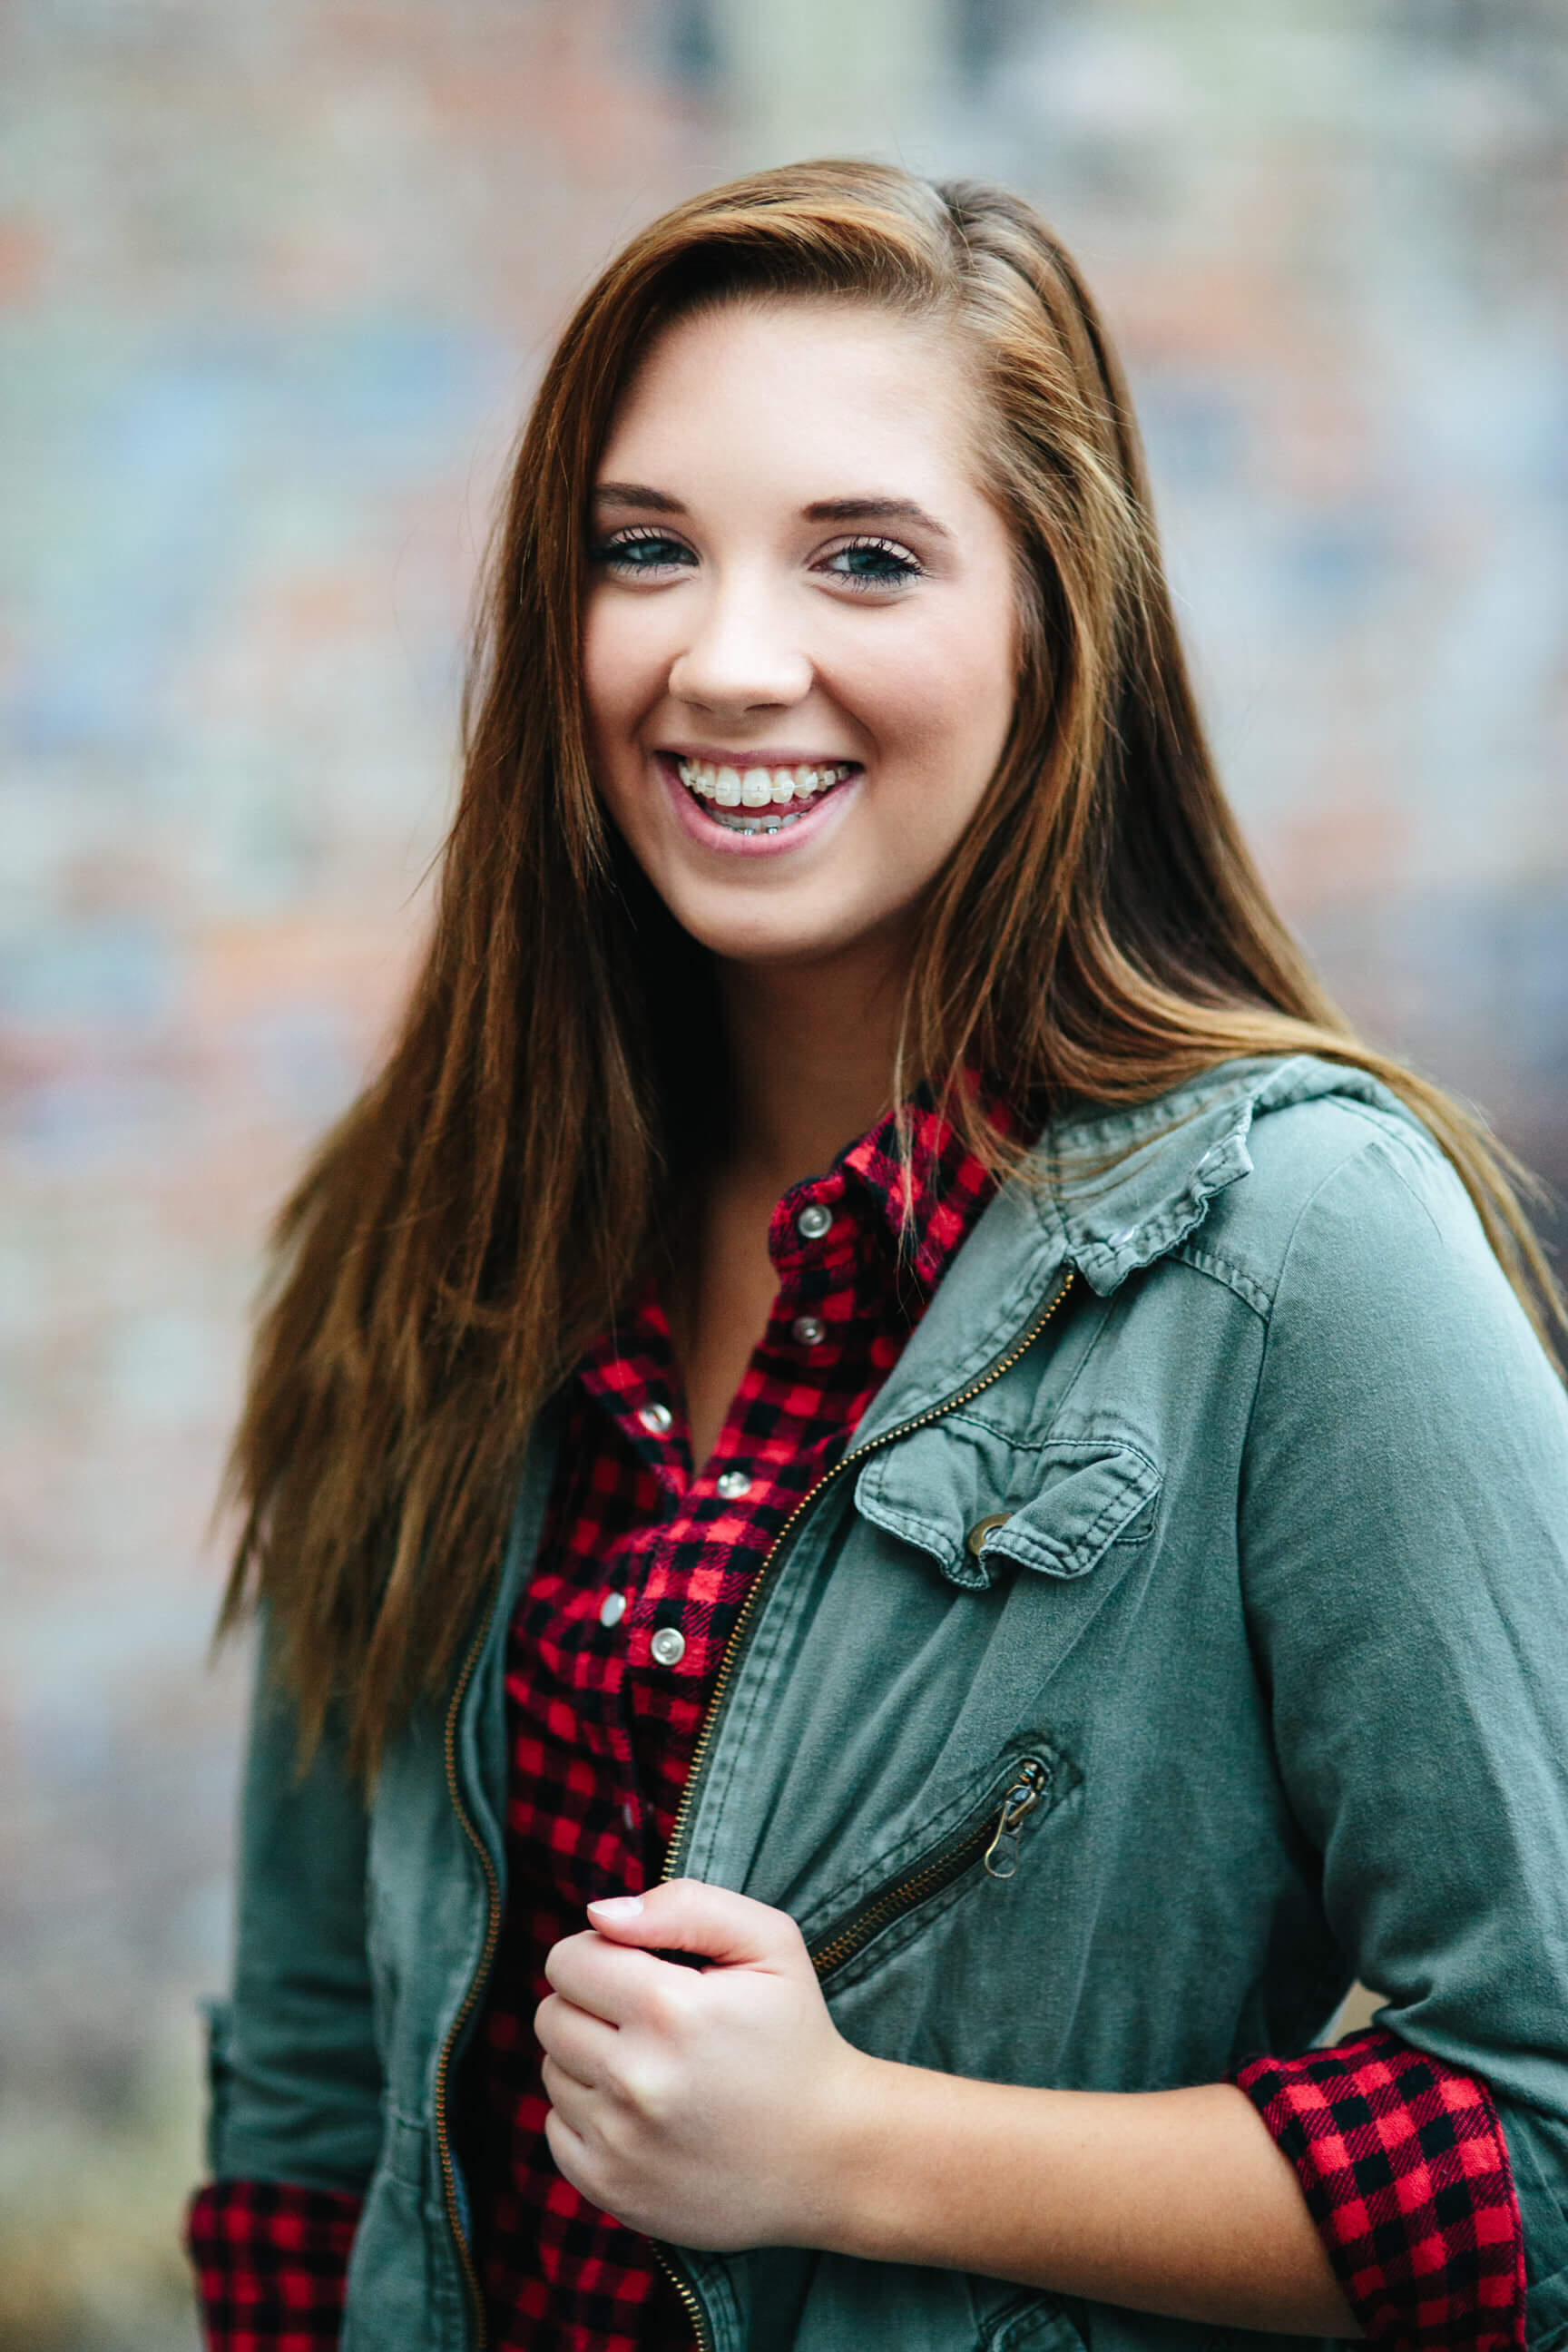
column 973, row 1500
column 1053, row 1526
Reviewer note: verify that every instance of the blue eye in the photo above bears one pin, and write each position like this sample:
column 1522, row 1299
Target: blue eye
column 641, row 550
column 873, row 563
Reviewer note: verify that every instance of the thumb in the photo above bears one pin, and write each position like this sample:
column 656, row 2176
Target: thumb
column 683, row 1914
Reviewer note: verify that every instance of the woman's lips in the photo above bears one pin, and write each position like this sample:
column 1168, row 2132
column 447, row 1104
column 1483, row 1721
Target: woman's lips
column 782, row 824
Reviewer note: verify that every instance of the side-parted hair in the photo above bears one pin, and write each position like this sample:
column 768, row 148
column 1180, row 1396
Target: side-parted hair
column 1099, row 934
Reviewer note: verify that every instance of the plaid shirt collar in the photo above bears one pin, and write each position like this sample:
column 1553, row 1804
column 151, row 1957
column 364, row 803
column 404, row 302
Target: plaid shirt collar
column 921, row 1190
column 867, row 1247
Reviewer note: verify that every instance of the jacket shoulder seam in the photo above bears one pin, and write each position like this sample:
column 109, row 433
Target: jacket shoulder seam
column 1329, row 1176
column 1212, row 1261
column 1261, row 1296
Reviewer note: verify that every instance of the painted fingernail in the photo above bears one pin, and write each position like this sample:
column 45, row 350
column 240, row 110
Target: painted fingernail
column 618, row 1906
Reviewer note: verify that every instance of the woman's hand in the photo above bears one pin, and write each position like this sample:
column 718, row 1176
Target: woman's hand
column 714, row 2106
column 721, row 2107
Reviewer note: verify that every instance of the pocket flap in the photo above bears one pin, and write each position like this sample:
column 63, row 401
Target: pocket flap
column 1092, row 1496
column 973, row 1500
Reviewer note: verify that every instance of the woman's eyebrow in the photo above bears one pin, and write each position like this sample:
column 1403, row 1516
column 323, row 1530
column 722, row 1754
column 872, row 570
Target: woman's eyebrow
column 851, row 509
column 636, row 494
column 873, row 511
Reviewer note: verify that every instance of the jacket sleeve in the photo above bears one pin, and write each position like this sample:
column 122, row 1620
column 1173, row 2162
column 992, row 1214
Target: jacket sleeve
column 1404, row 1553
column 295, row 2074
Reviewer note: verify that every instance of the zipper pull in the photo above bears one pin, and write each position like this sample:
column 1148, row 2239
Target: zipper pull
column 1002, row 1853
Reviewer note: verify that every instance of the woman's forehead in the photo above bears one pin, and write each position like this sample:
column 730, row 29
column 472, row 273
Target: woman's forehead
column 797, row 387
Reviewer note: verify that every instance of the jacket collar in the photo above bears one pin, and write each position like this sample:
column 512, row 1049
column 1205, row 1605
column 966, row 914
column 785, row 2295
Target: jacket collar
column 1104, row 1194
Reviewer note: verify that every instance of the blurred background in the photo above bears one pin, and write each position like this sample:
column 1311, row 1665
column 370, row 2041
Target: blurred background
column 274, row 283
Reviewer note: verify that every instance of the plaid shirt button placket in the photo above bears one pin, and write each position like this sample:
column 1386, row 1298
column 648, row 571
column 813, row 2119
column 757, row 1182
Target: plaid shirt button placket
column 629, row 1514
column 601, row 1740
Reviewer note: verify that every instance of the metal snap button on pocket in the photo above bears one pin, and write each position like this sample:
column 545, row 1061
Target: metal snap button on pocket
column 974, row 1539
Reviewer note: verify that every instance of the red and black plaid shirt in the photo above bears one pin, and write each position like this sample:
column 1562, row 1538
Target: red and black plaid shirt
column 611, row 1662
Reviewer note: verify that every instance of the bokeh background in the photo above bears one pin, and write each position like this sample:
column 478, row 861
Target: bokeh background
column 274, row 283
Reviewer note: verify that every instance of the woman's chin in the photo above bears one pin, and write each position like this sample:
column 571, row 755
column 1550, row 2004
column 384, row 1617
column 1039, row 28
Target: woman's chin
column 779, row 934
column 869, row 955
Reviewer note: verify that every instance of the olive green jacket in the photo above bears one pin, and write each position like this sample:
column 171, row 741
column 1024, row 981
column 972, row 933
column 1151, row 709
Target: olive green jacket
column 1209, row 1541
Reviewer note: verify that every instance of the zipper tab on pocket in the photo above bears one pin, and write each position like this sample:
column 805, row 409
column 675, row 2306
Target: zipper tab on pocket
column 1001, row 1857
column 986, row 1833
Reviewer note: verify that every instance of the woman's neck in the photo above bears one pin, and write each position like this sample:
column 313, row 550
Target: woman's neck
column 811, row 1055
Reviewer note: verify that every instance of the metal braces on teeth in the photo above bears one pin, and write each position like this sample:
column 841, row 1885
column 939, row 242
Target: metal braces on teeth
column 719, row 786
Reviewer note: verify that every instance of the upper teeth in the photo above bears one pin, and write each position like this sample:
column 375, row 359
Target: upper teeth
column 759, row 787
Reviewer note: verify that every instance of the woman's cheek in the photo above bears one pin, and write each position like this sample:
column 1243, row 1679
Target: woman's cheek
column 622, row 651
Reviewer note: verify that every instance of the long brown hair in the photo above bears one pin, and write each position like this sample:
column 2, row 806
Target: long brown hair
column 1099, row 934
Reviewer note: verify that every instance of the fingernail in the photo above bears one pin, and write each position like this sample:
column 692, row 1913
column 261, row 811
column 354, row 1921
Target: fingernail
column 618, row 1906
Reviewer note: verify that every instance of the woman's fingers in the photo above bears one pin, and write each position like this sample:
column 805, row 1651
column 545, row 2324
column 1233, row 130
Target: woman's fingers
column 686, row 1915
column 702, row 2103
column 608, row 1980
column 573, row 2101
column 614, row 1970
column 575, row 2043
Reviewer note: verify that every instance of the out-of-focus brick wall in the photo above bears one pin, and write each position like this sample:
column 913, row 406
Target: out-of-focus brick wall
column 274, row 284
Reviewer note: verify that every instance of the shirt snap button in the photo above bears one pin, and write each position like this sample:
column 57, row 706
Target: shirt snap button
column 810, row 1330
column 612, row 1608
column 813, row 1221
column 974, row 1540
column 668, row 1646
column 732, row 1484
column 657, row 1419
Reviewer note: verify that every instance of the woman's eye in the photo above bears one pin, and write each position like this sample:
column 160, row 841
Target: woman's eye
column 641, row 550
column 873, row 563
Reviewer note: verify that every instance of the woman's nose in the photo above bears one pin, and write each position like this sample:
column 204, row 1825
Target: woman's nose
column 741, row 655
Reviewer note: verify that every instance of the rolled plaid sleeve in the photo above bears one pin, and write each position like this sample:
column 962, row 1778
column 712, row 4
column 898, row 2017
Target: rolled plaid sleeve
column 270, row 2261
column 1402, row 2164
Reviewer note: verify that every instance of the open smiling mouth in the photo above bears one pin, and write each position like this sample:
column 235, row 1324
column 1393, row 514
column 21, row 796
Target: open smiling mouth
column 760, row 800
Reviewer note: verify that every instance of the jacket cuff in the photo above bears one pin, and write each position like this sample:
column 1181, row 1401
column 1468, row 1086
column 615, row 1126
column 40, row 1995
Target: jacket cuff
column 1402, row 2164
column 271, row 2264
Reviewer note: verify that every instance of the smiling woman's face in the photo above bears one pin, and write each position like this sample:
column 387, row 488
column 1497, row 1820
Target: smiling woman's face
column 800, row 644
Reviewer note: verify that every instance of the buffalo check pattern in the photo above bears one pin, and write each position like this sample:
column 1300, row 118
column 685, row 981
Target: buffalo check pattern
column 604, row 1719
column 270, row 2262
column 643, row 1550
column 1403, row 2165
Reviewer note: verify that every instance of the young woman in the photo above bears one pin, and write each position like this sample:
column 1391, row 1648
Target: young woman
column 903, row 1505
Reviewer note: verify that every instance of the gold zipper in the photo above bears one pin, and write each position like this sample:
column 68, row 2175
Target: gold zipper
column 740, row 1629
column 689, row 2296
column 476, row 1983
column 739, row 1632
column 979, row 1841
